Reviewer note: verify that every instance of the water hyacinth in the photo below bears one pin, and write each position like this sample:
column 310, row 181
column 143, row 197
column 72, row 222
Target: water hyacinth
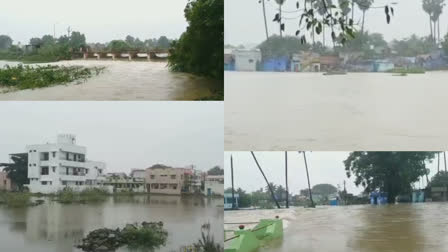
column 30, row 77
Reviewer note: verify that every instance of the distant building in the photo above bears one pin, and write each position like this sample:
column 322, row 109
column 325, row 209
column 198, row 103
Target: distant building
column 439, row 193
column 229, row 60
column 126, row 184
column 164, row 179
column 55, row 166
column 278, row 64
column 5, row 182
column 214, row 185
column 228, row 200
column 246, row 60
column 138, row 173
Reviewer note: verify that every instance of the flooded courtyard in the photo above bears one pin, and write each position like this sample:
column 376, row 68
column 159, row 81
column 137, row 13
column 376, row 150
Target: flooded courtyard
column 357, row 111
column 121, row 80
column 399, row 228
column 55, row 227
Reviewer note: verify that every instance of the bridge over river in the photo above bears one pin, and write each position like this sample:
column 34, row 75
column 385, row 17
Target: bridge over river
column 129, row 55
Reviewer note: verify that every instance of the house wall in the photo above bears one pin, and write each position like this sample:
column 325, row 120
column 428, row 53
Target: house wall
column 165, row 180
column 246, row 60
column 5, row 182
column 214, row 184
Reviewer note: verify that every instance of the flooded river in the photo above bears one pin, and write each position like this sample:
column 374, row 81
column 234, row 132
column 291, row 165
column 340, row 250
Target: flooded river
column 122, row 80
column 53, row 227
column 357, row 111
column 395, row 228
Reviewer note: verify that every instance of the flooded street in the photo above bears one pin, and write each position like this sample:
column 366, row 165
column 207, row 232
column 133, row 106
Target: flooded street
column 53, row 227
column 357, row 111
column 399, row 228
column 122, row 80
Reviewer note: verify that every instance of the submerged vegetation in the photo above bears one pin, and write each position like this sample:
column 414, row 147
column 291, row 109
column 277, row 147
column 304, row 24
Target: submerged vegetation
column 147, row 235
column 410, row 70
column 30, row 77
column 15, row 199
column 69, row 196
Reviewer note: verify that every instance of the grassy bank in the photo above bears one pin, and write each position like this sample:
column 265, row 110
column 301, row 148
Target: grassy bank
column 30, row 77
column 86, row 196
column 17, row 199
column 411, row 70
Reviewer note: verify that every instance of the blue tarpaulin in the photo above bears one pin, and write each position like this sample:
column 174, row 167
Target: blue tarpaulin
column 276, row 65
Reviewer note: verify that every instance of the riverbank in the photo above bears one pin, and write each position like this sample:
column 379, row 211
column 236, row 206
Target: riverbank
column 125, row 80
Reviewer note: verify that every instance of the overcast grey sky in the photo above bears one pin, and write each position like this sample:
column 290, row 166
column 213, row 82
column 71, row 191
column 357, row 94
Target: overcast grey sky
column 125, row 135
column 324, row 167
column 244, row 23
column 99, row 20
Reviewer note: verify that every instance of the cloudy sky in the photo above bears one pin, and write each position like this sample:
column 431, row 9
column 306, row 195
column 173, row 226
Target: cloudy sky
column 99, row 20
column 324, row 167
column 244, row 23
column 125, row 135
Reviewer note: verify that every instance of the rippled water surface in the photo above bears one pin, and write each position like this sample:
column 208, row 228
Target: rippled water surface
column 396, row 228
column 357, row 111
column 122, row 80
column 54, row 227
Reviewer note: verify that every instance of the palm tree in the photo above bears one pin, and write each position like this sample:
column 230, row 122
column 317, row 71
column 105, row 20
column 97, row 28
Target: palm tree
column 280, row 3
column 265, row 21
column 364, row 5
column 427, row 7
column 434, row 9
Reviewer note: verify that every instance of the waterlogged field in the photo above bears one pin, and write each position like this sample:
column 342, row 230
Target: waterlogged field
column 421, row 227
column 56, row 227
column 122, row 80
column 357, row 111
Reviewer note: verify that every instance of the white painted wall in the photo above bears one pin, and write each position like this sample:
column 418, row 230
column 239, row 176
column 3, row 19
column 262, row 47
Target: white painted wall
column 246, row 60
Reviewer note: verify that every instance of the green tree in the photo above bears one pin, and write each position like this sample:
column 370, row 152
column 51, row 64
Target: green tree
column 277, row 46
column 200, row 49
column 17, row 170
column 364, row 6
column 413, row 46
column 37, row 42
column 77, row 40
column 5, row 42
column 392, row 172
column 324, row 189
column 440, row 179
column 163, row 42
column 216, row 171
column 118, row 46
column 445, row 44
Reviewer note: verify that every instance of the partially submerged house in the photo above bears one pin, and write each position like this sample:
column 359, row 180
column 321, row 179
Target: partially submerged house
column 439, row 193
column 247, row 60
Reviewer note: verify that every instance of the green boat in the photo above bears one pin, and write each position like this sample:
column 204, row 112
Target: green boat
column 251, row 239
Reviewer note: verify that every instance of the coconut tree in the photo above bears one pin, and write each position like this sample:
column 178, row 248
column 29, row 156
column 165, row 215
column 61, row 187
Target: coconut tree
column 265, row 20
column 364, row 6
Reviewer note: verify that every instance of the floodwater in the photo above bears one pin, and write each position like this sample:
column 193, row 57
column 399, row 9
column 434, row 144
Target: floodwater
column 54, row 227
column 419, row 227
column 357, row 111
column 122, row 80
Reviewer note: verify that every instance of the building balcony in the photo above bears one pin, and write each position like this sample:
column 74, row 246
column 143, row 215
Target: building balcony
column 70, row 163
column 72, row 177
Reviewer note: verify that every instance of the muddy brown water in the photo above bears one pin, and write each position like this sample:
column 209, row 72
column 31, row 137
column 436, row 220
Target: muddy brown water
column 122, row 80
column 54, row 227
column 357, row 111
column 421, row 227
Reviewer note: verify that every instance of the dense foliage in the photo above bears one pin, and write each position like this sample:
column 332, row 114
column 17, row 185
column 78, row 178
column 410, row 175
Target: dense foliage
column 277, row 46
column 440, row 179
column 17, row 170
column 391, row 172
column 324, row 189
column 26, row 77
column 200, row 49
column 216, row 171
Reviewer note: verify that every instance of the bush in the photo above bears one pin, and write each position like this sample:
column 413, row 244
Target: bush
column 68, row 196
column 15, row 199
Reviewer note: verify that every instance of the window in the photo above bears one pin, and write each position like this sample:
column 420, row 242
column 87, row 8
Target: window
column 44, row 182
column 163, row 186
column 173, row 186
column 64, row 182
column 173, row 176
column 153, row 176
column 54, row 154
column 54, row 169
column 163, row 175
column 44, row 170
column 154, row 186
column 44, row 156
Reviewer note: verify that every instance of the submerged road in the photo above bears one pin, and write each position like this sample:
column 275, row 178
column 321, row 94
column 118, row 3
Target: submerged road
column 122, row 80
column 357, row 111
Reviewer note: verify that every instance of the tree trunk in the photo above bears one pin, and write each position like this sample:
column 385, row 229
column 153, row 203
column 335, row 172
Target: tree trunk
column 363, row 18
column 323, row 35
column 430, row 27
column 438, row 30
column 265, row 22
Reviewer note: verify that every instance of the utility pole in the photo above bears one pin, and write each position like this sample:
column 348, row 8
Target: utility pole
column 233, row 191
column 265, row 21
column 438, row 162
column 308, row 177
column 267, row 182
column 286, row 176
column 280, row 9
column 444, row 157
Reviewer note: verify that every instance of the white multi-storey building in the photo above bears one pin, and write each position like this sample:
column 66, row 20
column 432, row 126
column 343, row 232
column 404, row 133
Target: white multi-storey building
column 55, row 166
